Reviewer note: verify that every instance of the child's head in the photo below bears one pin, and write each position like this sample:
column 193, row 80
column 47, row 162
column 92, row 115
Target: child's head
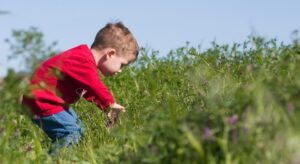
column 123, row 47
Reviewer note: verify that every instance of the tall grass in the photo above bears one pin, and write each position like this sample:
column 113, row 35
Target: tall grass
column 227, row 104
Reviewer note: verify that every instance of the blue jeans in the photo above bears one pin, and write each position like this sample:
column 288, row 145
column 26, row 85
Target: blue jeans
column 64, row 129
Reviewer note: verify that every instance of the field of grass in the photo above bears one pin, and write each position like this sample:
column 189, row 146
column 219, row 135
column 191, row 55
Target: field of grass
column 227, row 104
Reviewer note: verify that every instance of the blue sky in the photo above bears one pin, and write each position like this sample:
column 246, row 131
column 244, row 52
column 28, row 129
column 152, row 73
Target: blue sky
column 159, row 24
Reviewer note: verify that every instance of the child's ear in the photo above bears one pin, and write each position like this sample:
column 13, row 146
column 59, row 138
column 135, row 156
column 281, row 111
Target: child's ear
column 111, row 52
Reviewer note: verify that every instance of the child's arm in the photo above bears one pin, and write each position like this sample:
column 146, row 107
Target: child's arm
column 86, row 75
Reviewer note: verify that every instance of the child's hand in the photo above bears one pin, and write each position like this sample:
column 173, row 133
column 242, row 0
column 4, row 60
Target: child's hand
column 115, row 112
column 113, row 115
column 118, row 107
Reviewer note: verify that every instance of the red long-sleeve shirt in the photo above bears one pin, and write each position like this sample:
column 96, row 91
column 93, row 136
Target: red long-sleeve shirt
column 60, row 81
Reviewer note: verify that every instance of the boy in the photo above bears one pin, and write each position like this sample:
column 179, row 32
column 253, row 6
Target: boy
column 64, row 78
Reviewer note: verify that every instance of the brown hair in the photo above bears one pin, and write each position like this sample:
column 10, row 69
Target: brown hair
column 117, row 36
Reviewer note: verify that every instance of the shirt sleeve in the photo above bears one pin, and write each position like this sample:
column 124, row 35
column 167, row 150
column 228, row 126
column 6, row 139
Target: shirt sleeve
column 85, row 72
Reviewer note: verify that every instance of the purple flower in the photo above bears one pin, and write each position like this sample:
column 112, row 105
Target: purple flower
column 207, row 134
column 232, row 120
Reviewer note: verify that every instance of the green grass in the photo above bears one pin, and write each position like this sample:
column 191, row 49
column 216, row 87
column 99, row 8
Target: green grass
column 227, row 104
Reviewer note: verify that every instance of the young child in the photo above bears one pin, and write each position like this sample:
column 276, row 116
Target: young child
column 64, row 78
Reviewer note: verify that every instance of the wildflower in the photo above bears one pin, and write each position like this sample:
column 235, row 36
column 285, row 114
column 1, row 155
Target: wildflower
column 207, row 134
column 232, row 120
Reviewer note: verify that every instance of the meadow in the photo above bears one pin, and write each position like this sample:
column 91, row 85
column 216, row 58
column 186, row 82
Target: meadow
column 227, row 104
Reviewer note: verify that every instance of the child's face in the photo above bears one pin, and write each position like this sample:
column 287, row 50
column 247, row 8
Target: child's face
column 114, row 64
